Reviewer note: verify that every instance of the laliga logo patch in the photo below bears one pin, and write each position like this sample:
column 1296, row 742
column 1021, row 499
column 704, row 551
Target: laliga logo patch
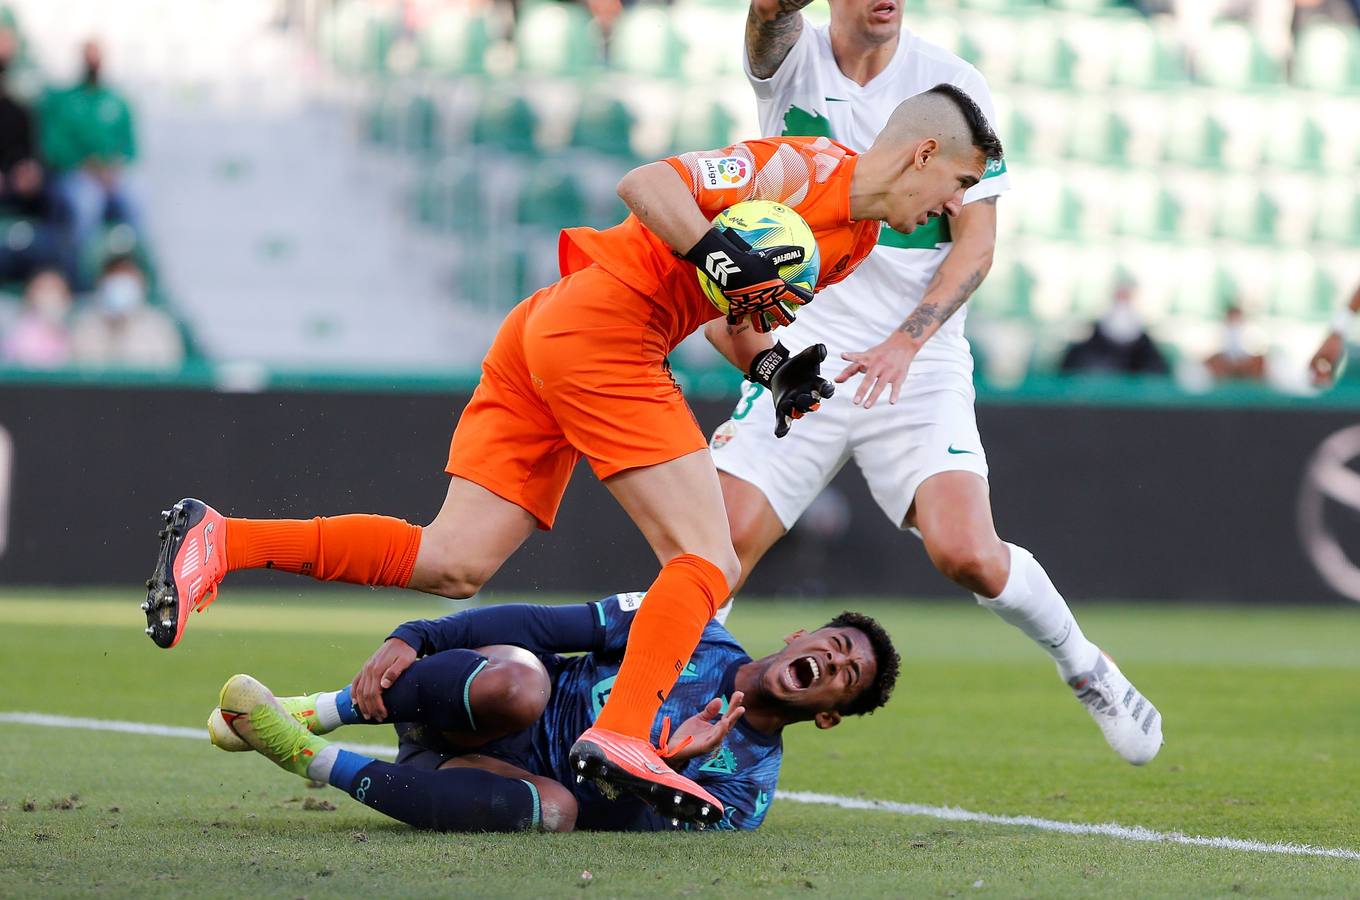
column 724, row 171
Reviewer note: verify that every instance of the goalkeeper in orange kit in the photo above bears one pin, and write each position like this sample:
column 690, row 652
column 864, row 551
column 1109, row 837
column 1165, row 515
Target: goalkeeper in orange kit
column 579, row 369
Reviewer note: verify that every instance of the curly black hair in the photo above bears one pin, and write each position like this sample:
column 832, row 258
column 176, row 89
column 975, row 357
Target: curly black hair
column 877, row 692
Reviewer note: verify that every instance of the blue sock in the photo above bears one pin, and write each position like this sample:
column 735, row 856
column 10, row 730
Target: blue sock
column 435, row 690
column 456, row 799
column 345, row 769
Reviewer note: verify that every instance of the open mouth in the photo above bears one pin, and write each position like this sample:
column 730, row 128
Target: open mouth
column 802, row 673
column 883, row 12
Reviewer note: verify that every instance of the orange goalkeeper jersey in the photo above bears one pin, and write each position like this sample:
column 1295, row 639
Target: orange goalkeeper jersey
column 809, row 174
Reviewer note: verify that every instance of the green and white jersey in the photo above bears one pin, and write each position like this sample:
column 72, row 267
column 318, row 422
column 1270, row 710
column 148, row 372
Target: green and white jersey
column 809, row 95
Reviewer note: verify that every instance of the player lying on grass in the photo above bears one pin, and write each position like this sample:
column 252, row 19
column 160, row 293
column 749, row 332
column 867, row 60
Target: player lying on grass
column 485, row 733
column 579, row 369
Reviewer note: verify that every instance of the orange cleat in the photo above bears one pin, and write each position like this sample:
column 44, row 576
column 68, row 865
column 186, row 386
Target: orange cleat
column 192, row 561
column 615, row 761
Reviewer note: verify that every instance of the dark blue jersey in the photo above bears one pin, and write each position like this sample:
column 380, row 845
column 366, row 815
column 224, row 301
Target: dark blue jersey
column 741, row 773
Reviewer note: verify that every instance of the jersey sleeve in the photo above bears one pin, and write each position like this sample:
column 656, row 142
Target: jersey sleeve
column 771, row 169
column 995, row 179
column 790, row 72
column 614, row 617
column 538, row 629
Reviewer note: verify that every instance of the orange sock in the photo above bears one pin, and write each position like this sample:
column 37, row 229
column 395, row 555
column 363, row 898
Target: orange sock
column 359, row 549
column 664, row 634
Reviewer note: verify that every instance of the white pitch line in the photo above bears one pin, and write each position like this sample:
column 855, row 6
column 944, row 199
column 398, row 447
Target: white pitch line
column 948, row 813
column 174, row 731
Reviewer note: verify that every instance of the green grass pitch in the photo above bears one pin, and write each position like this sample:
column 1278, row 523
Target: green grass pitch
column 1261, row 708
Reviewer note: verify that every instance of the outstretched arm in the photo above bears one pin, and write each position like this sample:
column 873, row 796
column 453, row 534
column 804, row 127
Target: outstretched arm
column 968, row 262
column 1328, row 357
column 772, row 28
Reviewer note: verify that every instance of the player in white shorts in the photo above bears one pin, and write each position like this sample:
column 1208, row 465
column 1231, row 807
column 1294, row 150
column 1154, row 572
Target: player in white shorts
column 909, row 424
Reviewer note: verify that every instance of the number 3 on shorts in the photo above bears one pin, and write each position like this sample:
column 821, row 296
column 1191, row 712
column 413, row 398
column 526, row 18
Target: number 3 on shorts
column 750, row 393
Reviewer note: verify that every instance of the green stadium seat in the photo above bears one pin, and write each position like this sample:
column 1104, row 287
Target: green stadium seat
column 1295, row 139
column 702, row 123
column 1245, row 213
column 454, row 42
column 1338, row 213
column 1146, row 56
column 1005, row 293
column 448, row 197
column 421, row 126
column 1046, row 58
column 1327, row 58
column 357, row 36
column 1051, row 207
column 1098, row 134
column 1301, row 289
column 557, row 39
column 646, row 42
column 551, row 197
column 603, row 125
column 1195, row 136
column 1201, row 289
column 1146, row 208
column 506, row 121
column 1232, row 57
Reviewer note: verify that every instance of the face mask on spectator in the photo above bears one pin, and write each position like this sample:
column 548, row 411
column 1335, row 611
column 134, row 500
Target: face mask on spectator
column 120, row 294
column 1121, row 324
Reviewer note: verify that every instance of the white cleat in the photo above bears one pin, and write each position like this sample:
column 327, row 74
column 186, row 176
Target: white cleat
column 1131, row 724
column 221, row 735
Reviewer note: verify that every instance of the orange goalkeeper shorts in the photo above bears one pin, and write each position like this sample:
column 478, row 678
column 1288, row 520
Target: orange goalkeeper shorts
column 577, row 369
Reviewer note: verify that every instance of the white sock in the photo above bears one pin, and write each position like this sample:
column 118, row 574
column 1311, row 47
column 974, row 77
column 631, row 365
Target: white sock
column 327, row 713
column 724, row 611
column 1031, row 603
column 319, row 769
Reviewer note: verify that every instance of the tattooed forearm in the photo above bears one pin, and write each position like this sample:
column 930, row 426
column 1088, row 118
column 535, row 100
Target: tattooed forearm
column 920, row 320
column 768, row 41
column 927, row 314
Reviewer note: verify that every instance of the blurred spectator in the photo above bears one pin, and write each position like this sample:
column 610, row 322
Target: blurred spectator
column 40, row 338
column 1306, row 12
column 120, row 329
column 1234, row 361
column 87, row 140
column 1118, row 342
column 24, row 247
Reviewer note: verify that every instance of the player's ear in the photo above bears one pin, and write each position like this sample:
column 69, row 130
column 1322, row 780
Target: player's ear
column 827, row 719
column 790, row 638
column 925, row 151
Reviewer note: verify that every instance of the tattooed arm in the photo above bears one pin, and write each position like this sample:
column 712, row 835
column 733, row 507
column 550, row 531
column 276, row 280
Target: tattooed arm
column 969, row 260
column 738, row 343
column 772, row 28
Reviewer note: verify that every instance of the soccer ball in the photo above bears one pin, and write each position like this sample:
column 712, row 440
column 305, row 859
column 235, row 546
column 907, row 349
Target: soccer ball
column 764, row 223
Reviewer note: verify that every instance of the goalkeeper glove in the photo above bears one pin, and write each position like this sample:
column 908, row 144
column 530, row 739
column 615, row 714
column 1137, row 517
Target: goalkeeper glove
column 749, row 279
column 795, row 382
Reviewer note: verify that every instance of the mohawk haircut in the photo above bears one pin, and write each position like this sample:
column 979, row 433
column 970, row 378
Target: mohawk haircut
column 877, row 692
column 984, row 138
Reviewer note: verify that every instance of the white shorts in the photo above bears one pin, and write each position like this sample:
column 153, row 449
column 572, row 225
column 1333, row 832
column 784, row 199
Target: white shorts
column 931, row 429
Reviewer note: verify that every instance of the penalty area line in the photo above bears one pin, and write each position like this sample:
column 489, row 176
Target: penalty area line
column 946, row 813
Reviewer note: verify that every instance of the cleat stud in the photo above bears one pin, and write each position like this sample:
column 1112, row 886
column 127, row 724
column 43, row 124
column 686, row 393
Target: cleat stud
column 580, row 764
column 149, row 583
column 677, row 799
column 150, row 629
column 145, row 606
column 703, row 810
column 165, row 514
column 675, row 823
column 580, row 778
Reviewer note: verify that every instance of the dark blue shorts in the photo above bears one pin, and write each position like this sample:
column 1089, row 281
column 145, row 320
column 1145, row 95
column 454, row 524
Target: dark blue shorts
column 428, row 750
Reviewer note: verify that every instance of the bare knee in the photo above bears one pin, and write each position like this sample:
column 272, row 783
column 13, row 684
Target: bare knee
column 557, row 806
column 511, row 691
column 980, row 566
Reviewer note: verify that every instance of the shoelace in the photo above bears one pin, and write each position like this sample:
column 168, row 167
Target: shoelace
column 208, row 597
column 664, row 751
column 280, row 737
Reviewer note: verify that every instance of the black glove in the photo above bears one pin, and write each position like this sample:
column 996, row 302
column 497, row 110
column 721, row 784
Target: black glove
column 749, row 279
column 795, row 382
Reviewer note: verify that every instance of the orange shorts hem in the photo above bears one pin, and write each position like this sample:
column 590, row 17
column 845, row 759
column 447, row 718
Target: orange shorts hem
column 545, row 513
